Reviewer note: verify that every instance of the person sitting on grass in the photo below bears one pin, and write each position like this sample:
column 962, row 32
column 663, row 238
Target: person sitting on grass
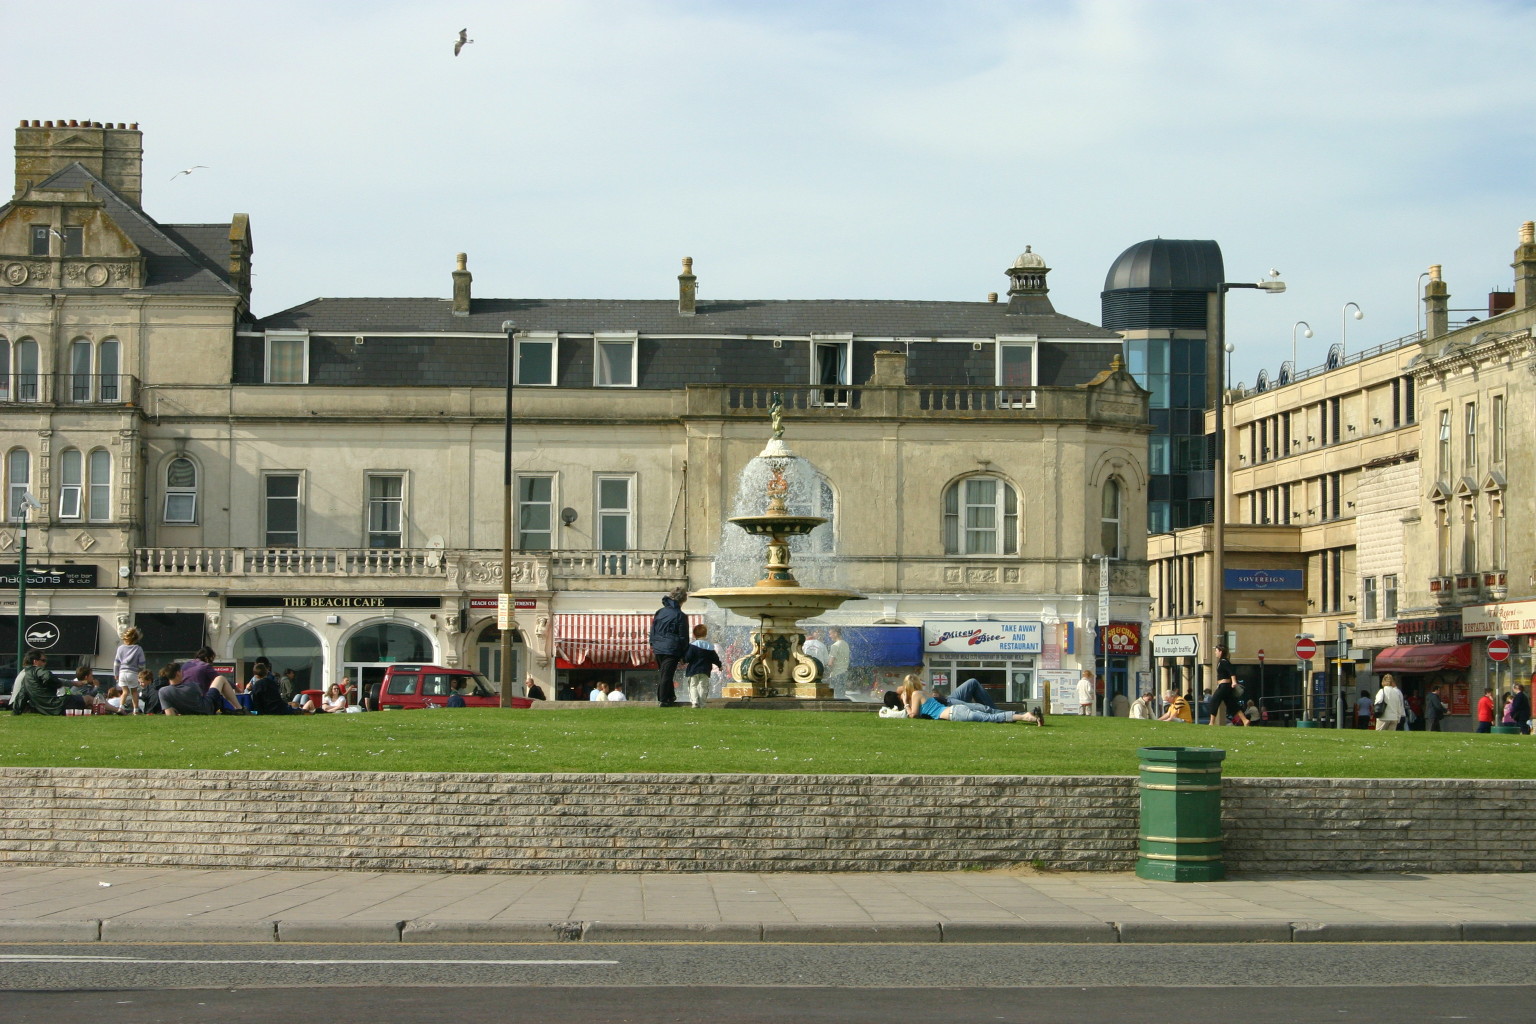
column 1178, row 708
column 1141, row 707
column 37, row 690
column 968, row 703
column 267, row 694
column 335, row 699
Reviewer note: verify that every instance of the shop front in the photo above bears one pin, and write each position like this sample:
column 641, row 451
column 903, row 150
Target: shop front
column 1430, row 652
column 69, row 641
column 1114, row 647
column 1004, row 656
column 611, row 648
column 1515, row 623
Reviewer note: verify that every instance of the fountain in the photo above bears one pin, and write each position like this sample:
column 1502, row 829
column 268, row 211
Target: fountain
column 777, row 665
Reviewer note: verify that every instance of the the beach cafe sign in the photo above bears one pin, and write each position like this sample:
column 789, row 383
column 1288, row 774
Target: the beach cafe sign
column 1516, row 618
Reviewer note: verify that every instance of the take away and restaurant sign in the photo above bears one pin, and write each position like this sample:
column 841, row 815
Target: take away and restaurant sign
column 982, row 637
column 1514, row 617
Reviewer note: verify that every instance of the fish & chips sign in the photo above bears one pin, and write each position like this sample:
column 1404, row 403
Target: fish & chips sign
column 982, row 637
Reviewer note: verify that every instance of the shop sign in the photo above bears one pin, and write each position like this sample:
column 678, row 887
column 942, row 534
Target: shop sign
column 1442, row 630
column 1119, row 638
column 49, row 576
column 489, row 603
column 1516, row 618
column 1264, row 579
column 982, row 637
column 330, row 602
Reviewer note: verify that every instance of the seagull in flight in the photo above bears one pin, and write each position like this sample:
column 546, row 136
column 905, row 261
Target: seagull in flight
column 189, row 170
column 462, row 41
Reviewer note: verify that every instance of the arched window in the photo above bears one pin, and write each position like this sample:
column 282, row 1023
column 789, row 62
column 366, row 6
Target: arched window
column 981, row 517
column 71, row 481
column 5, row 369
column 26, row 371
column 181, row 490
column 80, row 389
column 108, row 387
column 99, row 482
column 18, row 475
column 1110, row 532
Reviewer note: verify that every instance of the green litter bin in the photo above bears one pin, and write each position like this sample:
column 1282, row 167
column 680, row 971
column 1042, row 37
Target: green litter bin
column 1181, row 814
column 1506, row 730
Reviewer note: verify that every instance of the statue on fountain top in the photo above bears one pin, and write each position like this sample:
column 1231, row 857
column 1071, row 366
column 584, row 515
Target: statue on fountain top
column 776, row 414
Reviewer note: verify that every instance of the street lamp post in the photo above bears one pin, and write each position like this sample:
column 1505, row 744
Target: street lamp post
column 29, row 504
column 1307, row 334
column 1344, row 327
column 1216, row 580
column 507, row 616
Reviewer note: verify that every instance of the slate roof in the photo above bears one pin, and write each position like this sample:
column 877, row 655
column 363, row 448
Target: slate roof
column 180, row 259
column 794, row 317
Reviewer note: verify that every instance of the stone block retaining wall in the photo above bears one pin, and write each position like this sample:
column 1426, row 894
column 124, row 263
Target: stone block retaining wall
column 633, row 822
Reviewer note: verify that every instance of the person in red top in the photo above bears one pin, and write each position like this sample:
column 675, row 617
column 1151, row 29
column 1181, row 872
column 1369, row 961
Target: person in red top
column 1485, row 711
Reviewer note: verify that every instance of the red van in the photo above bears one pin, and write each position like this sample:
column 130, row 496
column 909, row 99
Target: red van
column 428, row 686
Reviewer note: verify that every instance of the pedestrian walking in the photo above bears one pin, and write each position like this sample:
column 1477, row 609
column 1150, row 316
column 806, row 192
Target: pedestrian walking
column 1389, row 706
column 700, row 657
column 1485, row 712
column 669, row 642
column 1363, row 710
column 1434, row 708
column 1520, row 709
column 1224, row 705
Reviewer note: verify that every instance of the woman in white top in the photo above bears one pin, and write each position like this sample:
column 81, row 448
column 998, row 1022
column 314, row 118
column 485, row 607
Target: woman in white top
column 335, row 699
column 1392, row 698
column 127, row 663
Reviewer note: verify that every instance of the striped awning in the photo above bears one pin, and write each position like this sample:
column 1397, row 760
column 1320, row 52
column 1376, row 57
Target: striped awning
column 599, row 641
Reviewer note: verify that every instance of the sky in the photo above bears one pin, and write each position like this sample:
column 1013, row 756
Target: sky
column 892, row 150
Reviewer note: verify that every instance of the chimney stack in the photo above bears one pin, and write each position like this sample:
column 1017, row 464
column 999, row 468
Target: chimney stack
column 1525, row 267
column 1437, row 300
column 112, row 152
column 687, row 289
column 461, row 280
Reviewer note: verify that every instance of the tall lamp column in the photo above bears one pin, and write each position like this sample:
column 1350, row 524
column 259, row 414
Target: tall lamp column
column 29, row 504
column 507, row 616
column 1344, row 326
column 1216, row 580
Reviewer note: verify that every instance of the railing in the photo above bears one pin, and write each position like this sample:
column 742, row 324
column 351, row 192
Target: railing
column 836, row 397
column 927, row 399
column 420, row 563
column 68, row 388
column 975, row 399
column 590, row 564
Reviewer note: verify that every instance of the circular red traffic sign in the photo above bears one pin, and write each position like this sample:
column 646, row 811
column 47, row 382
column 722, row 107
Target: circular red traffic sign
column 1306, row 648
column 1498, row 649
column 1260, row 655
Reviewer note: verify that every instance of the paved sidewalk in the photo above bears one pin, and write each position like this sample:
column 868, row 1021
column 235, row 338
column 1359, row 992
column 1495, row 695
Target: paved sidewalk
column 39, row 904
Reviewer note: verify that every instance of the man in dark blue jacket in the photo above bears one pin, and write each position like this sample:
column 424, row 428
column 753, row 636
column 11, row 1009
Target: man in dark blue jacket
column 669, row 642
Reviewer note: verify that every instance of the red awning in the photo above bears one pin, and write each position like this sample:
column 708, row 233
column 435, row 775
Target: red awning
column 1423, row 658
column 607, row 641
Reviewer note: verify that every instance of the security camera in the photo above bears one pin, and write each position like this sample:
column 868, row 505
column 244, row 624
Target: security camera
column 30, row 503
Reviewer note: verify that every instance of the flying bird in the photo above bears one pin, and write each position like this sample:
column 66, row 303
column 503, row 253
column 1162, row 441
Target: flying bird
column 189, row 170
column 462, row 42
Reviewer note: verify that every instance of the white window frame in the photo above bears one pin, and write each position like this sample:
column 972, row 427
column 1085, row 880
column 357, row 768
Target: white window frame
column 71, row 483
column 1469, row 424
column 1497, row 439
column 98, row 486
column 1004, row 534
column 23, row 378
column 266, row 506
column 1443, row 445
column 603, row 512
column 606, row 338
column 553, row 503
column 370, row 502
column 1117, row 521
column 550, row 338
column 286, row 337
column 173, row 491
column 17, row 458
column 1389, row 596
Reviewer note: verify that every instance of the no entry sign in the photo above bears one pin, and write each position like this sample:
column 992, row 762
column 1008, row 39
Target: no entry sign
column 1498, row 649
column 1306, row 648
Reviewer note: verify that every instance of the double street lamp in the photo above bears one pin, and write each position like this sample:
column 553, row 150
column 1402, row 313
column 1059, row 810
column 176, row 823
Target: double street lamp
column 29, row 504
column 1273, row 286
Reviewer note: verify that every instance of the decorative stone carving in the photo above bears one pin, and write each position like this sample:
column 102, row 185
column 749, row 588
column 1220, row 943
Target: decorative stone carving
column 981, row 574
column 526, row 571
column 122, row 621
column 17, row 274
column 85, row 540
column 951, row 574
column 97, row 275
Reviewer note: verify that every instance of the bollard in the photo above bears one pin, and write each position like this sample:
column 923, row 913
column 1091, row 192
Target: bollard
column 1181, row 814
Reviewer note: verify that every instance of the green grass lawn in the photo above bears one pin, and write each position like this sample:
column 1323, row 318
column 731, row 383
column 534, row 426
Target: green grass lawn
column 677, row 740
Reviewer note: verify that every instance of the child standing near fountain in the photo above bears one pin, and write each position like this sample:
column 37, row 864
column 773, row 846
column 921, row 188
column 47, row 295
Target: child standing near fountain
column 697, row 661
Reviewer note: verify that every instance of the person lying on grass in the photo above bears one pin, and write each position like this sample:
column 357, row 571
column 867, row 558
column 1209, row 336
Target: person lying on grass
column 968, row 703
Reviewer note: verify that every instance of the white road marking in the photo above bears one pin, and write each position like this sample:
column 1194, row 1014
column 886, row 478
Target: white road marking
column 42, row 958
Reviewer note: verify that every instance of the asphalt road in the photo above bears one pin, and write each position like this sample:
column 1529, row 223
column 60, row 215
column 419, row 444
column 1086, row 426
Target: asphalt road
column 93, row 983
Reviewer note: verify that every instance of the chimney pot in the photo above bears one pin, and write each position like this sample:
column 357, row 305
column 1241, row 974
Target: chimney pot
column 687, row 289
column 1528, row 233
column 461, row 285
column 991, row 296
column 1434, row 272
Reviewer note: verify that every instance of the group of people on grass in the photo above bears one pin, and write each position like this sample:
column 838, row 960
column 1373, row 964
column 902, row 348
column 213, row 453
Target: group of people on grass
column 190, row 687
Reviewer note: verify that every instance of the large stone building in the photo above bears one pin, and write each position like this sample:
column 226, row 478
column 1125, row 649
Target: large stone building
column 1370, row 506
column 325, row 486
